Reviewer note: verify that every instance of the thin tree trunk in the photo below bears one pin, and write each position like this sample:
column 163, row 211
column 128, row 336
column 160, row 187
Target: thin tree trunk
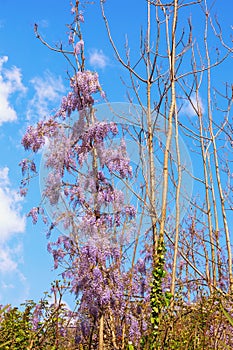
column 172, row 58
column 101, row 333
column 150, row 139
column 177, row 224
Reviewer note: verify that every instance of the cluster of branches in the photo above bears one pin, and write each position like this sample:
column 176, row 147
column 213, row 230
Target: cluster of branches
column 132, row 260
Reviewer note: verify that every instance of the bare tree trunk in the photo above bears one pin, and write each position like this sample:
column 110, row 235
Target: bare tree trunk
column 101, row 333
column 177, row 221
column 172, row 59
column 150, row 145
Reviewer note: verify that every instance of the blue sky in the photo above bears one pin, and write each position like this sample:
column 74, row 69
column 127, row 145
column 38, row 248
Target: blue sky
column 32, row 81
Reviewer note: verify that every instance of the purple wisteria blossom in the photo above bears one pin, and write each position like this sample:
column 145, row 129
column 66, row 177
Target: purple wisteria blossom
column 34, row 138
column 36, row 317
column 53, row 187
column 59, row 154
column 27, row 165
column 79, row 47
column 117, row 160
column 83, row 84
column 94, row 136
column 34, row 214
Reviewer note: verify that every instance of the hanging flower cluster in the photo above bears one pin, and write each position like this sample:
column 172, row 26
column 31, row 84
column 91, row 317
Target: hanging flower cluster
column 34, row 138
column 84, row 85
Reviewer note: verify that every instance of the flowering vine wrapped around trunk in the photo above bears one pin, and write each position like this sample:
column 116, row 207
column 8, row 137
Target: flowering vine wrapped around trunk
column 97, row 222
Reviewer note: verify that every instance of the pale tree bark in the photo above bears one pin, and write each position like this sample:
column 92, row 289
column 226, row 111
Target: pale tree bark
column 101, row 333
column 150, row 145
column 177, row 220
column 171, row 49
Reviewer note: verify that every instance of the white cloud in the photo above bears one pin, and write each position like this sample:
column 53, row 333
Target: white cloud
column 7, row 260
column 12, row 223
column 98, row 59
column 189, row 107
column 48, row 91
column 3, row 60
column 6, row 286
column 4, row 179
column 10, row 257
column 14, row 286
column 11, row 220
column 43, row 23
column 10, row 83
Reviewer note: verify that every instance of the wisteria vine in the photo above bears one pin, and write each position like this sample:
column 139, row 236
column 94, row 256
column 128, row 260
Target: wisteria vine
column 97, row 222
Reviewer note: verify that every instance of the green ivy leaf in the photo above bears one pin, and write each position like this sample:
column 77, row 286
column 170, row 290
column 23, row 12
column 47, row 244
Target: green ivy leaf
column 226, row 314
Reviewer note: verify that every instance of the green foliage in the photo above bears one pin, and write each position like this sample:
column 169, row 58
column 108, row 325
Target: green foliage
column 159, row 300
column 226, row 314
column 199, row 325
column 15, row 328
column 19, row 331
column 204, row 324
